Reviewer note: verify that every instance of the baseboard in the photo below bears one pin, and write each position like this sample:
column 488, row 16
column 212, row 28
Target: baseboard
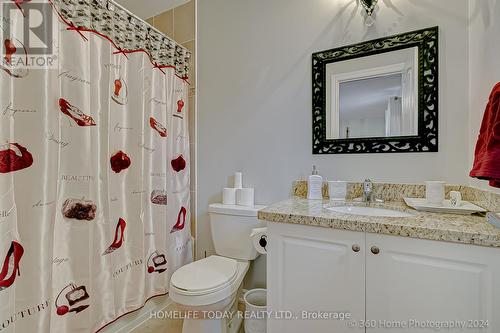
column 135, row 319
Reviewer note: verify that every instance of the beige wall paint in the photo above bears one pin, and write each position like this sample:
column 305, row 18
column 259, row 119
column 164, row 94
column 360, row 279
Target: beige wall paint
column 179, row 23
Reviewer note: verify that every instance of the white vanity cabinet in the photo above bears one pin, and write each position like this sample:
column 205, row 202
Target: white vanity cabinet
column 315, row 270
column 386, row 282
column 413, row 281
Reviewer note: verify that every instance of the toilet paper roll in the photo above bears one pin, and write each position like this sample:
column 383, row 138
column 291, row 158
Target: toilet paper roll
column 238, row 180
column 245, row 197
column 259, row 239
column 229, row 196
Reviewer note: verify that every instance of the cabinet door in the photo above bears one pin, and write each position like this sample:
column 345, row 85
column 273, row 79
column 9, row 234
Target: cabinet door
column 418, row 283
column 312, row 271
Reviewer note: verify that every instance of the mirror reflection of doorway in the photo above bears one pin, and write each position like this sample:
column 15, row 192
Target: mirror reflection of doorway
column 367, row 107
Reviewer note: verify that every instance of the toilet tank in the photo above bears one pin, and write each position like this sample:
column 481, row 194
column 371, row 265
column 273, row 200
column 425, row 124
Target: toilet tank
column 231, row 227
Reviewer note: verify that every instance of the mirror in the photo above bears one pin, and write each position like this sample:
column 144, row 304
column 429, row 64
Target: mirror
column 377, row 96
column 374, row 96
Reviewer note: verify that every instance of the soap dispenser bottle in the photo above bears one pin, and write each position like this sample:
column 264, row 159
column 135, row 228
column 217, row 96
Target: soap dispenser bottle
column 315, row 186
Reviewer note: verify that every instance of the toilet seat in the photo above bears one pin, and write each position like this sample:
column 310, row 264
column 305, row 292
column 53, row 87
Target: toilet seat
column 205, row 276
column 207, row 281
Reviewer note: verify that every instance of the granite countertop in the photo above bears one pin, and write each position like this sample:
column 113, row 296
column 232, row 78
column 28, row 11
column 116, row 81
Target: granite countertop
column 467, row 229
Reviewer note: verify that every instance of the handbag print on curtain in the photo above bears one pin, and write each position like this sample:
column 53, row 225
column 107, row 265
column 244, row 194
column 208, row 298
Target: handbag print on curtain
column 94, row 170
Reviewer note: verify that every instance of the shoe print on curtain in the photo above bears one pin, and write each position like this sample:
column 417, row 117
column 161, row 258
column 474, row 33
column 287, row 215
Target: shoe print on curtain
column 74, row 299
column 80, row 118
column 10, row 49
column 10, row 267
column 14, row 53
column 162, row 131
column 118, row 240
column 14, row 157
column 181, row 220
column 120, row 92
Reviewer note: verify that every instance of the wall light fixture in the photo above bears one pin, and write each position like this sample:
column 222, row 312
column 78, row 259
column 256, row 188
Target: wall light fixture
column 369, row 7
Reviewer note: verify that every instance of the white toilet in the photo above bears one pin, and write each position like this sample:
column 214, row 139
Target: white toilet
column 211, row 284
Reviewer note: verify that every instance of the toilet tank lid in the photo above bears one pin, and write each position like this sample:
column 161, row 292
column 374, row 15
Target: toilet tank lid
column 218, row 208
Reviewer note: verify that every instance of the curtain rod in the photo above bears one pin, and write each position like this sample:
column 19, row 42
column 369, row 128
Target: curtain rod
column 150, row 26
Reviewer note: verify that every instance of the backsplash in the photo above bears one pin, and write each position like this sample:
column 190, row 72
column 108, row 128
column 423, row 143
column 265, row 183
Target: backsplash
column 483, row 198
column 396, row 192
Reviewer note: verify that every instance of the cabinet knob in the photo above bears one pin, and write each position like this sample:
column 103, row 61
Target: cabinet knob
column 356, row 248
column 375, row 250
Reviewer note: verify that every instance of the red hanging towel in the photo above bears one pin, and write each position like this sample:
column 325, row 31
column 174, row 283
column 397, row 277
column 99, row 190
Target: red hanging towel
column 487, row 154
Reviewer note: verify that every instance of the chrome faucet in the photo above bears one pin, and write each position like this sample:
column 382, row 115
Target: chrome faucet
column 367, row 190
column 368, row 195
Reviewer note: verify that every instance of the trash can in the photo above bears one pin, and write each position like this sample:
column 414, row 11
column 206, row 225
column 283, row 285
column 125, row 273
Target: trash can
column 255, row 311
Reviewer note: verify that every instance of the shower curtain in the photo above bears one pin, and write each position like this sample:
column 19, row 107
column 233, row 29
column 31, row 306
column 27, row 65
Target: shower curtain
column 94, row 169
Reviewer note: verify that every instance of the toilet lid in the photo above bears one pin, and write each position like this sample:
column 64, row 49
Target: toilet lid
column 206, row 275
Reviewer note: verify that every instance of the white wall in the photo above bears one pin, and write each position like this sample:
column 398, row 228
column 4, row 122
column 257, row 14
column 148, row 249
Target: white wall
column 484, row 64
column 254, row 61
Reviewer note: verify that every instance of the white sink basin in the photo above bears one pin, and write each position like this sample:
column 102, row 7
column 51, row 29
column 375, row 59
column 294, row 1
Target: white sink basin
column 368, row 211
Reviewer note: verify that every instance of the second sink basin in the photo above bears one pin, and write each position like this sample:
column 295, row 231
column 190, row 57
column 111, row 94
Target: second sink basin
column 368, row 211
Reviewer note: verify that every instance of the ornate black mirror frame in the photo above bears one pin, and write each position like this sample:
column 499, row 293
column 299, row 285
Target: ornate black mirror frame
column 427, row 139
